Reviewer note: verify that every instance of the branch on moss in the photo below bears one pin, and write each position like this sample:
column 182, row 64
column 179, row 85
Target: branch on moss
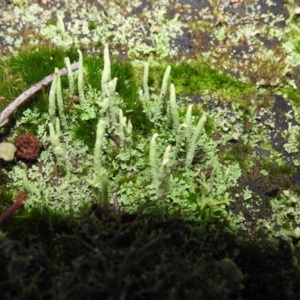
column 15, row 206
column 33, row 89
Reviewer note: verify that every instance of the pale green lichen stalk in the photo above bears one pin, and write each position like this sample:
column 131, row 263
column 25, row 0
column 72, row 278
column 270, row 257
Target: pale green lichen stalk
column 154, row 110
column 100, row 173
column 144, row 95
column 104, row 187
column 152, row 157
column 60, row 24
column 164, row 175
column 173, row 109
column 59, row 151
column 128, row 136
column 145, row 82
column 98, row 146
column 112, row 96
column 55, row 96
column 108, row 92
column 179, row 138
column 52, row 104
column 192, row 144
column 161, row 98
column 125, row 131
column 70, row 76
column 106, row 74
column 60, row 103
column 161, row 175
column 188, row 123
column 80, row 78
column 55, row 133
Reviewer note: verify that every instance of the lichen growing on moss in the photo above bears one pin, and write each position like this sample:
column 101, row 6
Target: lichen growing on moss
column 191, row 194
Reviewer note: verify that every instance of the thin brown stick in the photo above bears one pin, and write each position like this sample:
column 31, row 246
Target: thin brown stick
column 33, row 89
column 15, row 206
column 115, row 139
column 183, row 160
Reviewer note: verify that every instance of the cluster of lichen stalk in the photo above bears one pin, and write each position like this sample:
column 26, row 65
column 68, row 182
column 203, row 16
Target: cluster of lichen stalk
column 185, row 133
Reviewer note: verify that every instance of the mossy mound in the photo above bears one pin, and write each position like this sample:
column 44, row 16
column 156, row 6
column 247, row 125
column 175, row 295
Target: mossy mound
column 100, row 255
column 105, row 256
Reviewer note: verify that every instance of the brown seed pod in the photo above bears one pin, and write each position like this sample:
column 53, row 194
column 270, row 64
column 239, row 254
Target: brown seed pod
column 28, row 146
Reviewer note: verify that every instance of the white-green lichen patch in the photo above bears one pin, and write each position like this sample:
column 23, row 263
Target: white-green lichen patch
column 76, row 24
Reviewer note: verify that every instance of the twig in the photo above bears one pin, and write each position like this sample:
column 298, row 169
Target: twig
column 33, row 89
column 183, row 160
column 15, row 206
column 115, row 139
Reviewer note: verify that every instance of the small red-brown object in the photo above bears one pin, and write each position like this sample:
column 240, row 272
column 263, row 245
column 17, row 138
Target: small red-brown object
column 15, row 206
column 28, row 146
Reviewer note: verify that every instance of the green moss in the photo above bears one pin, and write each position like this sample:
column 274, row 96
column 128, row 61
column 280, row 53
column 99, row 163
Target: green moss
column 35, row 63
column 7, row 198
column 51, row 22
column 296, row 190
column 93, row 25
column 194, row 78
column 6, row 195
column 28, row 67
column 89, row 248
column 275, row 169
column 11, row 84
column 127, row 87
column 86, row 132
column 241, row 153
column 292, row 94
column 39, row 224
column 209, row 126
column 286, row 168
column 93, row 66
column 286, row 183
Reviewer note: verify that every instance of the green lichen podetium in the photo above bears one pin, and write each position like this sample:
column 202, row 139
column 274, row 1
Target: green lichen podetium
column 189, row 192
